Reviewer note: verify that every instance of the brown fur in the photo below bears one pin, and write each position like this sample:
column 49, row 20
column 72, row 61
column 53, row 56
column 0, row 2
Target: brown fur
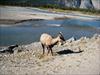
column 48, row 41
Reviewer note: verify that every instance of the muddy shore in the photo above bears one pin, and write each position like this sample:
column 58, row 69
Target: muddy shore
column 75, row 57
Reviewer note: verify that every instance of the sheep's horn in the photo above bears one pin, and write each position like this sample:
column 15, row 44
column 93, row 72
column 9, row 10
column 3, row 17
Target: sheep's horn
column 61, row 36
column 60, row 33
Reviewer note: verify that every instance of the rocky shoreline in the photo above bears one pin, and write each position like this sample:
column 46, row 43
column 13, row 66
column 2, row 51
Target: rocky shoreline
column 80, row 56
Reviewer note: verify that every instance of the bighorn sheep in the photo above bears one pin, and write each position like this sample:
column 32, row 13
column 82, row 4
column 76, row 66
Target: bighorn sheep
column 48, row 41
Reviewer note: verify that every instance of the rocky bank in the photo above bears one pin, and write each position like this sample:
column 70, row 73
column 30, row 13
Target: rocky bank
column 75, row 57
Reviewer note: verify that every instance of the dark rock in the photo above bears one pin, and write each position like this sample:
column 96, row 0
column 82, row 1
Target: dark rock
column 8, row 49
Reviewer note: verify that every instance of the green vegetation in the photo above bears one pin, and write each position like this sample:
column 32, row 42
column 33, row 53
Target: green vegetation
column 57, row 8
column 44, row 4
column 86, row 11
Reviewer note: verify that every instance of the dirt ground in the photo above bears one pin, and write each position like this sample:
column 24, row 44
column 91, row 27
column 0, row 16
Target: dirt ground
column 75, row 57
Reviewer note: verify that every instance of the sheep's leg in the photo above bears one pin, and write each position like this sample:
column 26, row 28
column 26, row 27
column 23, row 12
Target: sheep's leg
column 43, row 48
column 51, row 51
column 48, row 50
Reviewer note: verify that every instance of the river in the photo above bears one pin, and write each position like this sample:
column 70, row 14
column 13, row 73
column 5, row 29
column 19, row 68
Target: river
column 30, row 31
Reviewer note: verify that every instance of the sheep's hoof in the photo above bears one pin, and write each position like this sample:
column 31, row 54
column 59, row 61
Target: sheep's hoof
column 50, row 54
column 42, row 56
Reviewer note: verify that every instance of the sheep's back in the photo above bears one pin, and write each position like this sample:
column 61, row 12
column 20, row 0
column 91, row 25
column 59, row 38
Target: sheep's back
column 46, row 39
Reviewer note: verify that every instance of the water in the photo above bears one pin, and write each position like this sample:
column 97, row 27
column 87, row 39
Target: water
column 30, row 31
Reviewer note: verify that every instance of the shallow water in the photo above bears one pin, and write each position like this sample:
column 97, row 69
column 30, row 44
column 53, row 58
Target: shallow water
column 30, row 31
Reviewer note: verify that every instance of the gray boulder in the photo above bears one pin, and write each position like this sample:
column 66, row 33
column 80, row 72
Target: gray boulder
column 86, row 4
column 96, row 4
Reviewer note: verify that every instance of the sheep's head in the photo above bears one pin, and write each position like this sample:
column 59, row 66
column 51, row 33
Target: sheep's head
column 61, row 39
